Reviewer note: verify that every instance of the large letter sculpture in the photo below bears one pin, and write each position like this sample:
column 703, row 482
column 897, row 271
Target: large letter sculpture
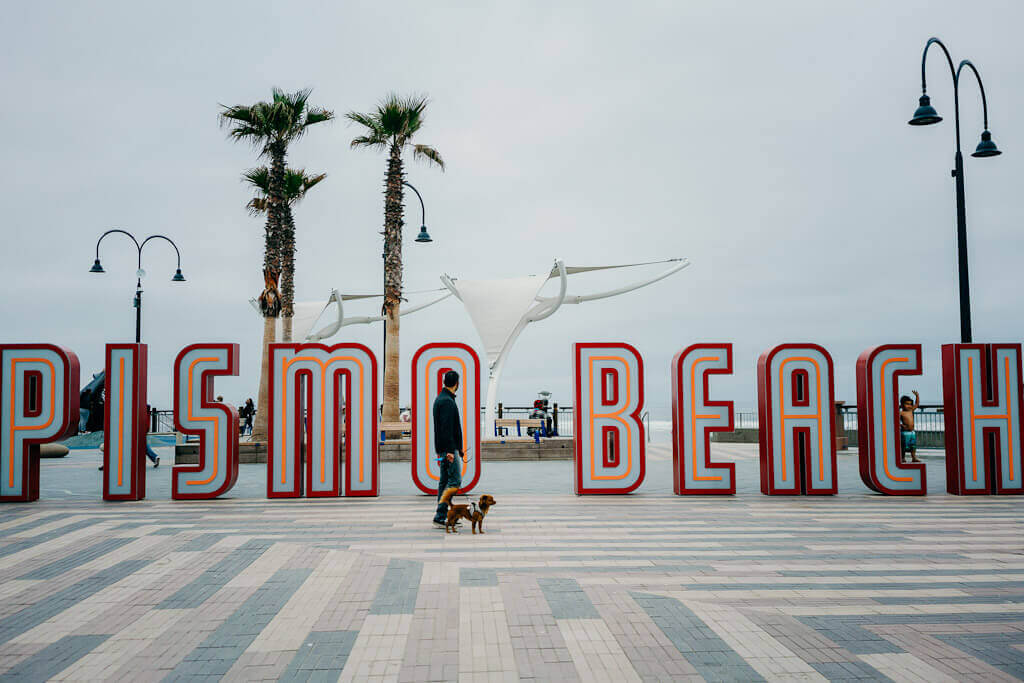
column 610, row 449
column 308, row 379
column 695, row 417
column 982, row 396
column 125, row 423
column 38, row 404
column 429, row 364
column 878, row 425
column 797, row 433
column 214, row 422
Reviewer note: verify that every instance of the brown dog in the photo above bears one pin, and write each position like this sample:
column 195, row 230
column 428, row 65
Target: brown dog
column 475, row 512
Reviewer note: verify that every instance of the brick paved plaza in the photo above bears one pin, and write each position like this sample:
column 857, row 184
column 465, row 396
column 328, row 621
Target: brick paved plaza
column 644, row 587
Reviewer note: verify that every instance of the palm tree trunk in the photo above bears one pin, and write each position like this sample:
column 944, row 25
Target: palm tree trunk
column 392, row 281
column 259, row 429
column 287, row 271
column 270, row 300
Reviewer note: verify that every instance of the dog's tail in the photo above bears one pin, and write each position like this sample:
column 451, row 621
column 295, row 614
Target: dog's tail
column 448, row 494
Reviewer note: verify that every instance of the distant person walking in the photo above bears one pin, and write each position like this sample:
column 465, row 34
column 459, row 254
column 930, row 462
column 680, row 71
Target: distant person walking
column 246, row 412
column 447, row 443
column 908, row 437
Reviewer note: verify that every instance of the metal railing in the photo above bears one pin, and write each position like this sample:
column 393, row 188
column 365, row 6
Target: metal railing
column 929, row 424
column 562, row 421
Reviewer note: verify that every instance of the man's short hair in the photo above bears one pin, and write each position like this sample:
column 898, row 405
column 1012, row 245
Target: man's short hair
column 904, row 399
column 451, row 379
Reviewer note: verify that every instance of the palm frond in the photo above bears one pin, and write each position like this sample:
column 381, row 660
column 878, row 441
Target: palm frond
column 309, row 182
column 257, row 205
column 429, row 153
column 259, row 178
column 368, row 141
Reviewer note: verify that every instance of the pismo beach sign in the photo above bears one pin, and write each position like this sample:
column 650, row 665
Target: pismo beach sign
column 314, row 387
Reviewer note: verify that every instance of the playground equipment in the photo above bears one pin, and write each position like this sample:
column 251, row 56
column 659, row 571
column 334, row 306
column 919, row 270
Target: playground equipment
column 501, row 309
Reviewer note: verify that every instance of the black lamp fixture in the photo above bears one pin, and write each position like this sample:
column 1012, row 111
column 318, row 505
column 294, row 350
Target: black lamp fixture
column 986, row 148
column 177, row 277
column 926, row 115
column 424, row 236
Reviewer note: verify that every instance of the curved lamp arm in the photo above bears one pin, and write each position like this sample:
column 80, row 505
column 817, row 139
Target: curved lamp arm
column 954, row 73
column 123, row 232
column 981, row 87
column 162, row 237
column 423, row 209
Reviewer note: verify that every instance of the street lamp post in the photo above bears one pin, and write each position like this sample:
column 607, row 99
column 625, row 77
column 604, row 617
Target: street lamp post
column 423, row 237
column 97, row 268
column 926, row 115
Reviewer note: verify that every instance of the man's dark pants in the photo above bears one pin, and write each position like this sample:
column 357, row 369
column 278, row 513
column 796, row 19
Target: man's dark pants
column 450, row 476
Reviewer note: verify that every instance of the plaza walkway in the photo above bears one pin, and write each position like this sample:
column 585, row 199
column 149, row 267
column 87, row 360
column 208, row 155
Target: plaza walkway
column 645, row 587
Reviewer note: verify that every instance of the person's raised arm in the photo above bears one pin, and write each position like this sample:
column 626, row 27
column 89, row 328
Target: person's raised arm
column 917, row 400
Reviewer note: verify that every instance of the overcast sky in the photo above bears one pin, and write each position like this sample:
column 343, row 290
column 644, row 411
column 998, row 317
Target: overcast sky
column 766, row 142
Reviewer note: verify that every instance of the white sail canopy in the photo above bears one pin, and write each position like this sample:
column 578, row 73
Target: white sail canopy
column 497, row 306
column 501, row 309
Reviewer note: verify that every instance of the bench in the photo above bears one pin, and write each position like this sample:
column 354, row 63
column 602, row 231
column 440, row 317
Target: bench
column 504, row 424
column 384, row 427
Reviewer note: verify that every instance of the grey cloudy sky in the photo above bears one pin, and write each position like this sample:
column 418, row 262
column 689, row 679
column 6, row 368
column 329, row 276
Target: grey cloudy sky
column 767, row 142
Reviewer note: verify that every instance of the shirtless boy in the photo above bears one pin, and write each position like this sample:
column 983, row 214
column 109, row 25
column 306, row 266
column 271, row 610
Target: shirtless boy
column 908, row 437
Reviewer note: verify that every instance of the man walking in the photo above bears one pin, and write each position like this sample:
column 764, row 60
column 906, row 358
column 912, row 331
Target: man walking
column 447, row 442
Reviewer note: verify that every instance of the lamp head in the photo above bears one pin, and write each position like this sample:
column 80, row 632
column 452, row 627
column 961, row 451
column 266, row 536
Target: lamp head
column 986, row 148
column 96, row 267
column 178, row 277
column 925, row 114
column 424, row 236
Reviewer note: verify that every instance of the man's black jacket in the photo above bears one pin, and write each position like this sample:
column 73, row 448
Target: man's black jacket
column 447, row 425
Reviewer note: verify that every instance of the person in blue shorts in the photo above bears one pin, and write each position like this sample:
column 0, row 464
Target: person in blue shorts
column 908, row 437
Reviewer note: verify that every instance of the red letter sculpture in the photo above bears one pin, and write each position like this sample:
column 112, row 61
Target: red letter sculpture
column 38, row 404
column 981, row 386
column 312, row 379
column 215, row 423
column 797, row 432
column 428, row 367
column 878, row 423
column 125, row 421
column 610, row 449
column 695, row 417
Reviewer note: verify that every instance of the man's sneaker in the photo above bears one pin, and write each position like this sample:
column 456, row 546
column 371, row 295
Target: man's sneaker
column 156, row 463
column 438, row 525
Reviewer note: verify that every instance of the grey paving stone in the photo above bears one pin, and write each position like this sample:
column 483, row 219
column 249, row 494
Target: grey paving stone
column 322, row 656
column 567, row 599
column 709, row 654
column 201, row 542
column 33, row 615
column 219, row 651
column 18, row 546
column 398, row 588
column 472, row 576
column 76, row 559
column 213, row 579
column 53, row 658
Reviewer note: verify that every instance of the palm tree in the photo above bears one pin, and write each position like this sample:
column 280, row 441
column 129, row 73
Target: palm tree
column 296, row 184
column 391, row 127
column 271, row 127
